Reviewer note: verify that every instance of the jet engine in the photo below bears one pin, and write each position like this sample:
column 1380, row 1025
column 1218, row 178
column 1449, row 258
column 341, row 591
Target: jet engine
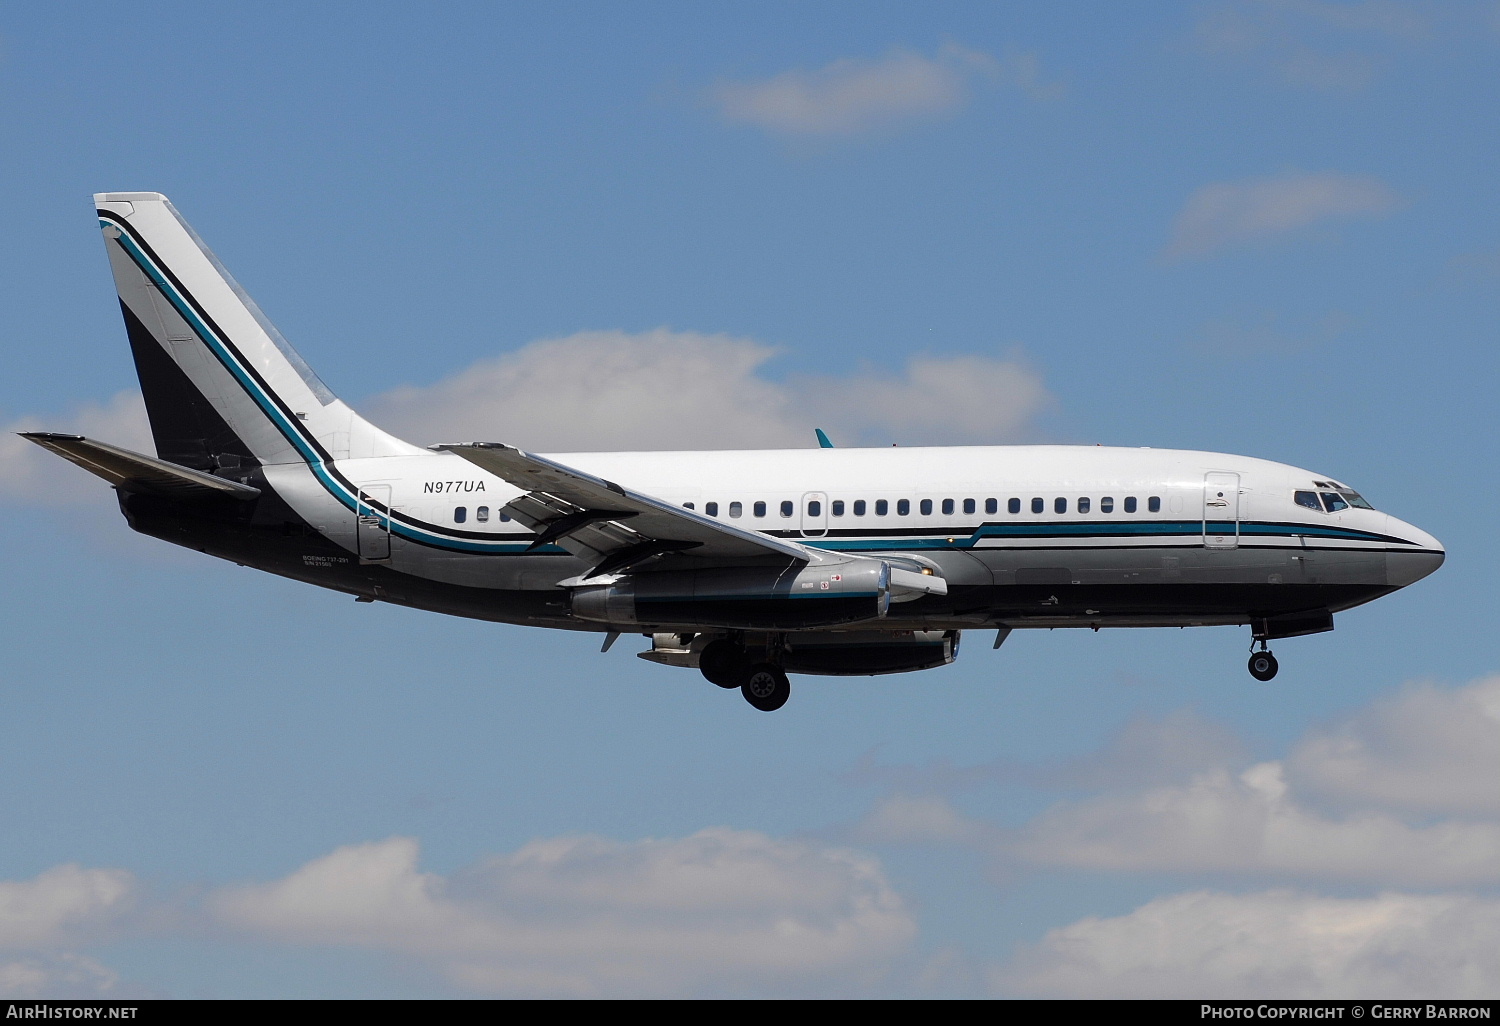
column 868, row 653
column 796, row 597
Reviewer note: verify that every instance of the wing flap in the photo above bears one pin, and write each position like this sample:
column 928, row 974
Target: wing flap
column 135, row 472
column 556, row 491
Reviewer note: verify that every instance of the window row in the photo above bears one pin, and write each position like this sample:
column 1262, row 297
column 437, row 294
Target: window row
column 481, row 515
column 925, row 507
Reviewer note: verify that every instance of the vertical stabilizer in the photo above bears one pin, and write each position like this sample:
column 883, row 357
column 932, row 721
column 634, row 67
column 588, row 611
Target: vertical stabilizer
column 222, row 387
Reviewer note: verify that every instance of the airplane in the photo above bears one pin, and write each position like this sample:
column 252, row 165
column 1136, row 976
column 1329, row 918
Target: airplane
column 746, row 565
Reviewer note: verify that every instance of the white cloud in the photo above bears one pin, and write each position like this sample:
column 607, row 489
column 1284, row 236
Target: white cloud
column 1220, row 823
column 29, row 473
column 919, row 819
column 853, row 95
column 604, row 390
column 721, row 911
column 1151, row 751
column 1254, row 209
column 1426, row 749
column 1311, row 44
column 62, row 975
column 1277, row 944
column 607, row 390
column 1412, row 781
column 63, row 906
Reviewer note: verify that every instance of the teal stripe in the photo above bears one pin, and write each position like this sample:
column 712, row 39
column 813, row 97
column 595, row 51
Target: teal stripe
column 292, row 432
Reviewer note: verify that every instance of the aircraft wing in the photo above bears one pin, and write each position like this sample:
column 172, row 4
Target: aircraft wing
column 135, row 472
column 611, row 526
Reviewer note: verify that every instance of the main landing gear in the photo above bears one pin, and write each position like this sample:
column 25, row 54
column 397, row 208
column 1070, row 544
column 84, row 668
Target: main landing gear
column 1263, row 663
column 766, row 687
column 728, row 665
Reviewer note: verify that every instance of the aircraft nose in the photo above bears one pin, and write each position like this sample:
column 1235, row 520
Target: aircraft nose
column 1403, row 568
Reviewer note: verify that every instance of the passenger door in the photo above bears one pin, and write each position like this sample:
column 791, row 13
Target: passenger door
column 372, row 525
column 1221, row 510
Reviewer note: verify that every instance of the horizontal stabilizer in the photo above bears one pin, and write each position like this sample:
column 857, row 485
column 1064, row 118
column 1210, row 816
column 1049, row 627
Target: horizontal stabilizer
column 134, row 472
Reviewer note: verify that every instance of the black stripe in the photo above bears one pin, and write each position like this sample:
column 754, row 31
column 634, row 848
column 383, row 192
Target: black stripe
column 224, row 336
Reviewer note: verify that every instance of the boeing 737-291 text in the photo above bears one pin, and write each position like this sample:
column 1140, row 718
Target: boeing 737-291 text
column 746, row 565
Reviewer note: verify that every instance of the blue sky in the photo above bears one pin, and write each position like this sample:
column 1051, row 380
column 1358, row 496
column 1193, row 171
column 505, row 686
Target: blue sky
column 1259, row 227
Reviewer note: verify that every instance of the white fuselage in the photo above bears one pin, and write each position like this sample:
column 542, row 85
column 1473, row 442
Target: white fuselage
column 1217, row 535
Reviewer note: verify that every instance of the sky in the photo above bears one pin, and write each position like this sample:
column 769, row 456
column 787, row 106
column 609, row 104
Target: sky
column 1267, row 227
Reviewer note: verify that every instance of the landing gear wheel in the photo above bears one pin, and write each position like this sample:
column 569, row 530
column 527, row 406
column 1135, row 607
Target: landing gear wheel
column 766, row 687
column 722, row 663
column 1263, row 665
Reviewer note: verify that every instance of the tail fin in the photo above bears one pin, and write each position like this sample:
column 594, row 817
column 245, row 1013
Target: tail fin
column 222, row 387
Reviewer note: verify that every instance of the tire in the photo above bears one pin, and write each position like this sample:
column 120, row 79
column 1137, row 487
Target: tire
column 1263, row 665
column 766, row 687
column 722, row 663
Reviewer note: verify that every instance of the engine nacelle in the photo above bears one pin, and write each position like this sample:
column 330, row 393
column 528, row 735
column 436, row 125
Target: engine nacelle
column 743, row 598
column 868, row 653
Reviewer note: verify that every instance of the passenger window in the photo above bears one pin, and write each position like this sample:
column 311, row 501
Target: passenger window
column 903, row 507
column 1107, row 504
column 505, row 518
column 786, row 508
column 837, row 507
column 688, row 505
column 1154, row 504
column 948, row 506
column 926, row 507
column 814, row 508
column 1059, row 505
column 1333, row 502
column 460, row 514
column 711, row 508
column 1014, row 505
column 859, row 507
column 759, row 509
column 1308, row 499
column 1130, row 504
column 1038, row 505
column 969, row 505
column 482, row 514
column 882, row 507
column 736, row 509
column 1083, row 505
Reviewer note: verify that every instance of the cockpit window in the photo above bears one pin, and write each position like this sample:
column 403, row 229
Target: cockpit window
column 1308, row 499
column 1355, row 499
column 1333, row 502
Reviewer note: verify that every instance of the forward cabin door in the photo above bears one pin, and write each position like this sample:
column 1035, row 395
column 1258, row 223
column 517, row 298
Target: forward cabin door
column 1221, row 511
column 814, row 515
column 372, row 525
